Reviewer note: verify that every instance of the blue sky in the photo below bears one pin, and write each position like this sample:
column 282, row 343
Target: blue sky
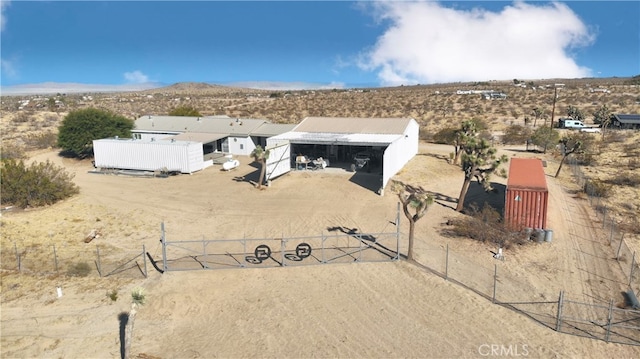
column 332, row 44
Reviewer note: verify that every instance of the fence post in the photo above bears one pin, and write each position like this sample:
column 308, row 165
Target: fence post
column 611, row 234
column 495, row 281
column 604, row 215
column 244, row 250
column 98, row 262
column 446, row 264
column 398, row 232
column 15, row 248
column 55, row 257
column 144, row 258
column 609, row 320
column 163, row 239
column 282, row 247
column 559, row 315
column 322, row 248
column 619, row 247
column 633, row 264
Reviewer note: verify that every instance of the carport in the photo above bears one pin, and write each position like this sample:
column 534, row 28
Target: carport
column 389, row 143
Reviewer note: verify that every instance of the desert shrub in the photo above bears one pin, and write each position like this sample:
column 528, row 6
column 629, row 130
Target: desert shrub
column 113, row 295
column 425, row 135
column 485, row 225
column 12, row 151
column 39, row 184
column 516, row 134
column 41, row 140
column 633, row 164
column 185, row 111
column 615, row 136
column 632, row 225
column 598, row 188
column 625, row 179
column 79, row 269
column 23, row 117
column 445, row 135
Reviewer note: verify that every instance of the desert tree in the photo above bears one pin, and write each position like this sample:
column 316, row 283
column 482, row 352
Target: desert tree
column 537, row 113
column 545, row 137
column 516, row 134
column 568, row 146
column 261, row 156
column 185, row 110
column 416, row 198
column 575, row 113
column 479, row 160
column 138, row 298
column 80, row 127
column 449, row 136
column 603, row 116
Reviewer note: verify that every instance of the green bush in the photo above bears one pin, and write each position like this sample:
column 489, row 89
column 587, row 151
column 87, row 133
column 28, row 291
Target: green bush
column 80, row 269
column 185, row 111
column 516, row 135
column 39, row 184
column 80, row 127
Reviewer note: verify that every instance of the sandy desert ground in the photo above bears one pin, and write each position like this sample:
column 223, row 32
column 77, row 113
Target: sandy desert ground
column 347, row 310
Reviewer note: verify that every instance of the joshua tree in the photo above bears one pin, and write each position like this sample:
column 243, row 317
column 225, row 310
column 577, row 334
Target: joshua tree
column 603, row 116
column 416, row 198
column 261, row 156
column 479, row 160
column 138, row 298
column 575, row 113
column 569, row 145
column 537, row 114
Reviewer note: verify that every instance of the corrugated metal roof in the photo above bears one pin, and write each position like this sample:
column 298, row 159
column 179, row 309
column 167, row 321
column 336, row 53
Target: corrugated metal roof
column 526, row 173
column 198, row 137
column 385, row 126
column 207, row 124
column 338, row 138
column 272, row 129
column 627, row 118
column 166, row 142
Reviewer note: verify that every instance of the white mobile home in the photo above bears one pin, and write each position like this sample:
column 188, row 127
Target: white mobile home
column 149, row 155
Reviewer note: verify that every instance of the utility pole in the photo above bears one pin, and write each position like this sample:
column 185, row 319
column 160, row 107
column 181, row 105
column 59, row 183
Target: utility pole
column 553, row 109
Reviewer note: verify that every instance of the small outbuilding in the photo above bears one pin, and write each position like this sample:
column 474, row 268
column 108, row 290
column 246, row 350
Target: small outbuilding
column 149, row 155
column 384, row 144
column 625, row 121
column 527, row 195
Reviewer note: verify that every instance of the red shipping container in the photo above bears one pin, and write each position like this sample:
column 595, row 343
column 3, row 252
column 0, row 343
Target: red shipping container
column 527, row 195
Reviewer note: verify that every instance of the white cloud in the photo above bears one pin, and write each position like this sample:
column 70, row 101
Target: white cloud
column 8, row 68
column 136, row 77
column 3, row 19
column 427, row 42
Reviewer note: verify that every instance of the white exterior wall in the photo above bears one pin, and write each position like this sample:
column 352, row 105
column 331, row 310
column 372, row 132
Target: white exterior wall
column 400, row 152
column 245, row 142
column 183, row 156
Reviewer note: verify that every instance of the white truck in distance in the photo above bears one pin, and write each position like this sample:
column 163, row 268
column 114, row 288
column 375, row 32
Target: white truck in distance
column 576, row 125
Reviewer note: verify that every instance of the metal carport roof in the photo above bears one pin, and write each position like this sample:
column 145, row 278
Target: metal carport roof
column 353, row 139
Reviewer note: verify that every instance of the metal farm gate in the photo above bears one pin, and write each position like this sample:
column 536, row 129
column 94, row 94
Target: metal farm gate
column 341, row 245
